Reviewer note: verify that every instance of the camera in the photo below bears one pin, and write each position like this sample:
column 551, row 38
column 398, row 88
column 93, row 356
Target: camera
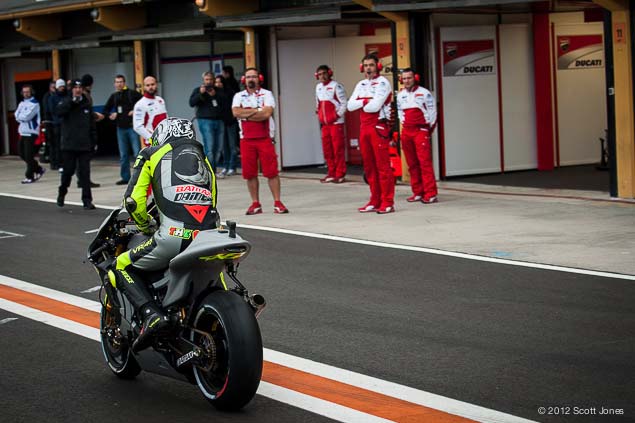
column 209, row 87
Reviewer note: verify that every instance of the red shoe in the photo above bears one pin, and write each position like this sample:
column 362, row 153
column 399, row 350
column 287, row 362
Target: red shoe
column 370, row 207
column 386, row 209
column 414, row 198
column 255, row 208
column 279, row 208
column 430, row 200
column 327, row 179
column 338, row 180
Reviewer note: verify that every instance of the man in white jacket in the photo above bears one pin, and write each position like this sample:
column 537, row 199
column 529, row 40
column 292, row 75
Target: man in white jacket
column 28, row 116
column 149, row 112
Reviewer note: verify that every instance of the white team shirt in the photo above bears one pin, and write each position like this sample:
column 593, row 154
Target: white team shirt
column 148, row 113
column 330, row 102
column 256, row 100
column 416, row 107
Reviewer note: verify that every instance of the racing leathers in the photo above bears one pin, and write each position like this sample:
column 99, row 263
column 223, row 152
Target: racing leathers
column 149, row 111
column 418, row 114
column 330, row 100
column 373, row 96
column 184, row 189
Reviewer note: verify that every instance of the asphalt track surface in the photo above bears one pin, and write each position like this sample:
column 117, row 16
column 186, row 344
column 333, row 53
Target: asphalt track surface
column 507, row 338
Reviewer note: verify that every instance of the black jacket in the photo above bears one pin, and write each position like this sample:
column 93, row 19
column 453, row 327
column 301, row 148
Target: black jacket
column 79, row 132
column 126, row 99
column 208, row 106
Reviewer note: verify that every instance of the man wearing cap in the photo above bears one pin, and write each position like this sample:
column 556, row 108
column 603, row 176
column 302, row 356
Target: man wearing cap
column 54, row 131
column 79, row 135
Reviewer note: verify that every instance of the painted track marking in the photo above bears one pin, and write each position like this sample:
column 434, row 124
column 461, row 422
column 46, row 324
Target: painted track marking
column 365, row 399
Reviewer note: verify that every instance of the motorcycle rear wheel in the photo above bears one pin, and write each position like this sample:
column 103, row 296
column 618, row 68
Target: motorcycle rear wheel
column 235, row 374
column 117, row 354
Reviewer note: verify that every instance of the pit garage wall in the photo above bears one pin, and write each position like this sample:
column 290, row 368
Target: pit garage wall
column 580, row 91
column 489, row 122
column 297, row 59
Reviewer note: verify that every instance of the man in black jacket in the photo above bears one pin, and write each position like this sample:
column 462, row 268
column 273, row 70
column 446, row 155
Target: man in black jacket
column 209, row 105
column 79, row 138
column 120, row 105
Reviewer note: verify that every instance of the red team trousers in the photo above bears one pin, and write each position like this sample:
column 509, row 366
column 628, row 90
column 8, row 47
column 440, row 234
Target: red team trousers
column 333, row 148
column 415, row 142
column 377, row 168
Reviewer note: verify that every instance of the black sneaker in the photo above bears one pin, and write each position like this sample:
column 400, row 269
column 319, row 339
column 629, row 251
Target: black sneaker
column 154, row 323
column 121, row 182
column 92, row 185
column 89, row 206
column 60, row 200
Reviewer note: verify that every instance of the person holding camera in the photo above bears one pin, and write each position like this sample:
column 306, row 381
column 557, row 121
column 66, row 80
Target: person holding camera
column 79, row 139
column 210, row 104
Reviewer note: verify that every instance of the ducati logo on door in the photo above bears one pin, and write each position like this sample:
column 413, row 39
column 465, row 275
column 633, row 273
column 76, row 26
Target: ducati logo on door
column 580, row 51
column 472, row 57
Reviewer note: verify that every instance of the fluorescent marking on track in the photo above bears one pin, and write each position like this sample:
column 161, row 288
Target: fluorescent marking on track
column 335, row 393
column 92, row 231
column 397, row 246
column 5, row 234
column 315, row 405
column 7, row 320
column 444, row 253
column 93, row 289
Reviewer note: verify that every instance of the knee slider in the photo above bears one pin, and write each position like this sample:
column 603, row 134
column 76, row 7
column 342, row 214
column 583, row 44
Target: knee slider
column 131, row 204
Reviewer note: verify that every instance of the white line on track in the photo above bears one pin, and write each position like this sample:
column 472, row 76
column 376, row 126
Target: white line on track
column 399, row 247
column 7, row 320
column 277, row 393
column 93, row 289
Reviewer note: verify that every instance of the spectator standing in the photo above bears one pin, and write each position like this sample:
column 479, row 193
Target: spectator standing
column 45, row 124
column 54, row 129
column 79, row 138
column 230, row 79
column 373, row 94
column 119, row 107
column 253, row 107
column 330, row 101
column 418, row 114
column 210, row 104
column 87, row 84
column 230, row 142
column 149, row 111
column 28, row 116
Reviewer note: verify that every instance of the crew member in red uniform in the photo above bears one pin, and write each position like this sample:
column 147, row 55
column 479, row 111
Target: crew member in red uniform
column 418, row 115
column 253, row 107
column 330, row 99
column 373, row 95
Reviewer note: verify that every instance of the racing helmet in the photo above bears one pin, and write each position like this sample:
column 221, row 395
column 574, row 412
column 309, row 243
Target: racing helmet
column 171, row 129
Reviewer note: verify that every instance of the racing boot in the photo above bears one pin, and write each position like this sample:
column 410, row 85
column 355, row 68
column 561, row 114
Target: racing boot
column 154, row 323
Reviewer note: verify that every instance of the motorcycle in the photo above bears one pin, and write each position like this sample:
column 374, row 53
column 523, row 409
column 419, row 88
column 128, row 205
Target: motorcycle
column 214, row 340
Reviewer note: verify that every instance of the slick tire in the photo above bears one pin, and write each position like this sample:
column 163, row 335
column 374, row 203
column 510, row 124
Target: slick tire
column 235, row 375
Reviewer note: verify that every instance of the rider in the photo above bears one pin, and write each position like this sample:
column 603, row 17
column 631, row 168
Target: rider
column 184, row 189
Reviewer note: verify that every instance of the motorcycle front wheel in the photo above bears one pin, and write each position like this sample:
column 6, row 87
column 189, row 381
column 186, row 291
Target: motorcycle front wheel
column 115, row 348
column 232, row 377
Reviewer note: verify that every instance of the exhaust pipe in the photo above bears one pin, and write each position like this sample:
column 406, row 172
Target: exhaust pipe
column 257, row 303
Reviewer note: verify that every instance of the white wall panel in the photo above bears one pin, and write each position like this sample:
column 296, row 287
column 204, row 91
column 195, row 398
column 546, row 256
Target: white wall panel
column 299, row 129
column 470, row 109
column 517, row 86
column 581, row 104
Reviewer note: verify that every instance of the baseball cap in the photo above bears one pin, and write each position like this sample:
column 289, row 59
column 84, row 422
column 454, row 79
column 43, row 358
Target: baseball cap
column 87, row 80
column 76, row 83
column 60, row 83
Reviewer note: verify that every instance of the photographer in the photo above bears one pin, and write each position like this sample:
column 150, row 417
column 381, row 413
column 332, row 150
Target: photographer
column 209, row 104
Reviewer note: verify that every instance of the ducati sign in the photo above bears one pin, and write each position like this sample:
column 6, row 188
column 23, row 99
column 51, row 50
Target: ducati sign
column 580, row 51
column 470, row 57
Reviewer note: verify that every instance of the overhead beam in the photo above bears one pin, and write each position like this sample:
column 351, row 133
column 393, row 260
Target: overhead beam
column 393, row 16
column 40, row 28
column 120, row 18
column 39, row 10
column 613, row 5
column 443, row 4
column 216, row 8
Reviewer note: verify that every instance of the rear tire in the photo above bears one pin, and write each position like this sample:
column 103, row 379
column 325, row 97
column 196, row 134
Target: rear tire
column 234, row 377
column 116, row 349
